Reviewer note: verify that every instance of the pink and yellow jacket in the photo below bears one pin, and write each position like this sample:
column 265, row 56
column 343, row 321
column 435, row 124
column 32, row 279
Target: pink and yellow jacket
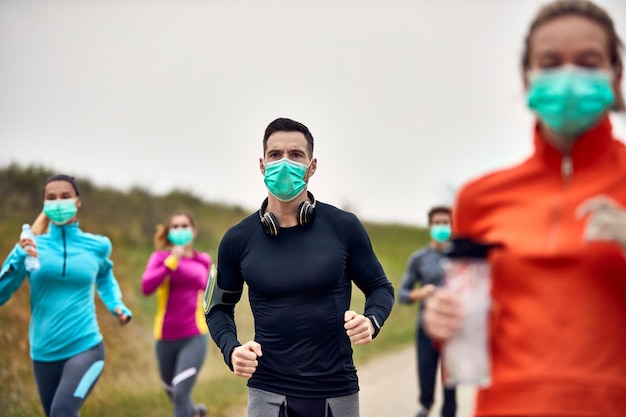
column 180, row 288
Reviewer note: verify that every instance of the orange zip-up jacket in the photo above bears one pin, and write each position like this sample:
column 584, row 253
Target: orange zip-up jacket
column 558, row 320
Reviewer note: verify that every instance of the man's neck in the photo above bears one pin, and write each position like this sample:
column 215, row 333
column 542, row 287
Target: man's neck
column 286, row 212
column 437, row 245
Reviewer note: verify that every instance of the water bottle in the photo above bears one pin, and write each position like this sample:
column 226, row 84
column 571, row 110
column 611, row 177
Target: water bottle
column 31, row 262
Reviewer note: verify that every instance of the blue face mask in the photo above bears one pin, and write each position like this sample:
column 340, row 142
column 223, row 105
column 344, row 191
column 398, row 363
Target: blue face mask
column 181, row 236
column 60, row 212
column 570, row 100
column 284, row 179
column 440, row 232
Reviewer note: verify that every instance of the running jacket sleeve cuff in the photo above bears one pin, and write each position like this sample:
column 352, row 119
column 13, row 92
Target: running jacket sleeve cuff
column 228, row 353
column 125, row 310
column 171, row 262
column 376, row 325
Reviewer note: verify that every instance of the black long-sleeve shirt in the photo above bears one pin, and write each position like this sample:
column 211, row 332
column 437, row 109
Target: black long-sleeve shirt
column 299, row 287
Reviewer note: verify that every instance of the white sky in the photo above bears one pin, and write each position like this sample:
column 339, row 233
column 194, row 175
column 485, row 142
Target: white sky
column 406, row 99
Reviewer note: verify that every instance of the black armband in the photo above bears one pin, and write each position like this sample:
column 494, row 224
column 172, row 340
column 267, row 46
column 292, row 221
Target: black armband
column 215, row 296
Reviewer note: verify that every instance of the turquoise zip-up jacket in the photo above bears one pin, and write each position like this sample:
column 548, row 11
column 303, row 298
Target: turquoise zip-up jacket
column 63, row 311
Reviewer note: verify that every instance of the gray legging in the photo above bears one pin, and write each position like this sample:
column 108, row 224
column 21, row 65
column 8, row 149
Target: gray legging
column 64, row 385
column 269, row 404
column 179, row 364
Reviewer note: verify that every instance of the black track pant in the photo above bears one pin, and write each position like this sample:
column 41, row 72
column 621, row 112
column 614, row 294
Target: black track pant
column 427, row 361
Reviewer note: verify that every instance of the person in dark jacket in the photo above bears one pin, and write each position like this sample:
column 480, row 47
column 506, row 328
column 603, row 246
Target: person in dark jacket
column 424, row 269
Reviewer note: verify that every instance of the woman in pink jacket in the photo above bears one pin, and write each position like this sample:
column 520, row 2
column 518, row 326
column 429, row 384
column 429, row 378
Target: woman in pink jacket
column 178, row 274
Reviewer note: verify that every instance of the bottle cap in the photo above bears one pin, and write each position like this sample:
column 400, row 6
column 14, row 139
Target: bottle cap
column 468, row 248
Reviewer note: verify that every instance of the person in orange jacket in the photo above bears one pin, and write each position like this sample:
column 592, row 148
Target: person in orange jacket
column 558, row 313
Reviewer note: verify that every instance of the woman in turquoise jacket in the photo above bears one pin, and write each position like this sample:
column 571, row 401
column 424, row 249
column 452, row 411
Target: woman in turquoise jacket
column 65, row 341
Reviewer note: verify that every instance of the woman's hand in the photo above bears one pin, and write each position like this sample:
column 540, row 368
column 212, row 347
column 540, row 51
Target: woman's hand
column 122, row 317
column 606, row 220
column 177, row 251
column 442, row 315
column 29, row 246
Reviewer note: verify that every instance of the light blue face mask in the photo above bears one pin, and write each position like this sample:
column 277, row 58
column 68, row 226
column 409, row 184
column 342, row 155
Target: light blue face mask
column 284, row 179
column 181, row 236
column 440, row 232
column 569, row 100
column 60, row 212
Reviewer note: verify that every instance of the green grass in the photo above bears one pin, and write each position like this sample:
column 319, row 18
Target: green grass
column 129, row 385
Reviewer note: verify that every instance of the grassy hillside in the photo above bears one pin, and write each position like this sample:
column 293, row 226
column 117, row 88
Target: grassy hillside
column 130, row 385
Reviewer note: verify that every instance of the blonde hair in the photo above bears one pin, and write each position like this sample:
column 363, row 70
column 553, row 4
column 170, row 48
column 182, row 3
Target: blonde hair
column 161, row 241
column 592, row 12
column 41, row 224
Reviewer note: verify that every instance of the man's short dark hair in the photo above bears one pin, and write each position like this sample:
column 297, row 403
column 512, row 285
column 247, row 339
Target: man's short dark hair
column 287, row 125
column 438, row 210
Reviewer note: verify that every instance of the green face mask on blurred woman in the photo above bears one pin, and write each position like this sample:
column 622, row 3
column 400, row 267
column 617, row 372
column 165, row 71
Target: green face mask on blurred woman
column 60, row 211
column 180, row 237
column 570, row 100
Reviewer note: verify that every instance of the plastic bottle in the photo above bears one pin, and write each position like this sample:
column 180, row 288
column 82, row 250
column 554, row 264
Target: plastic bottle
column 31, row 262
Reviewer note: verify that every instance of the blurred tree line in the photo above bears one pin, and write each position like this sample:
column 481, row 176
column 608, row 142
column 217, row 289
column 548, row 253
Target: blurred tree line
column 125, row 217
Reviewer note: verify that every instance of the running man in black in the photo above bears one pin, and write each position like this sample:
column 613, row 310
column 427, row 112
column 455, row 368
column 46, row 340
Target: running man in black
column 299, row 259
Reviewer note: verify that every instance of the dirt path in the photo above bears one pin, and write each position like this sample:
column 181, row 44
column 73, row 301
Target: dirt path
column 389, row 389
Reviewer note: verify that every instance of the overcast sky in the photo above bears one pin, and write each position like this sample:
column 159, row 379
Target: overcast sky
column 406, row 100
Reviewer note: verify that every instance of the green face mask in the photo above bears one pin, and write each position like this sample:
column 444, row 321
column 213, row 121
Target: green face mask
column 570, row 100
column 285, row 178
column 60, row 212
column 180, row 237
column 440, row 232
